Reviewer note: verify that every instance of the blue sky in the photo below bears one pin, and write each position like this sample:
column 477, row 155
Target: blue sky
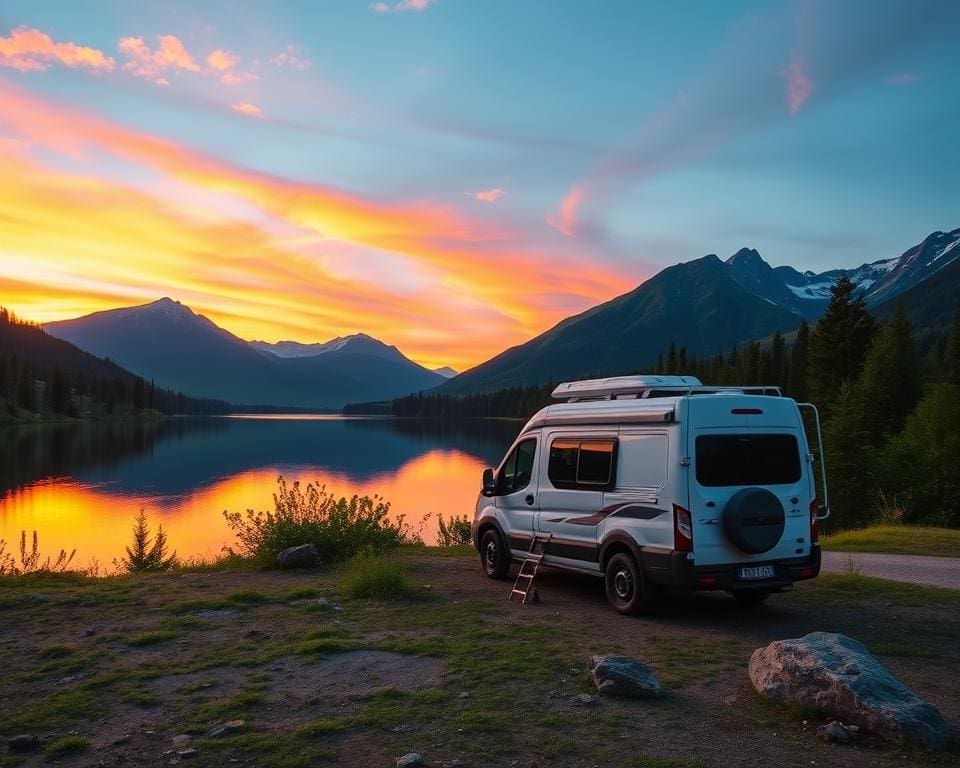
column 612, row 137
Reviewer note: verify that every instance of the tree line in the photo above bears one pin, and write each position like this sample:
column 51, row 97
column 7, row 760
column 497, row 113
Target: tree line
column 40, row 374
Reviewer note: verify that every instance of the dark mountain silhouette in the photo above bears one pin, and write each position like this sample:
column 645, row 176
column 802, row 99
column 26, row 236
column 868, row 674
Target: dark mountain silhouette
column 169, row 343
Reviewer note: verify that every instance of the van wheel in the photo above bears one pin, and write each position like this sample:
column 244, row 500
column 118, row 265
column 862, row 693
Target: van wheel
column 750, row 596
column 627, row 591
column 494, row 555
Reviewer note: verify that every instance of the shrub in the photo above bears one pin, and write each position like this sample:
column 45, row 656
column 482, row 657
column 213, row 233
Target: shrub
column 146, row 554
column 453, row 533
column 69, row 745
column 377, row 577
column 339, row 527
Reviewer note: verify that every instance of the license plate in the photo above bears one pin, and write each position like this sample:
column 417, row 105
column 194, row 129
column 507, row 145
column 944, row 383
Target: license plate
column 756, row 572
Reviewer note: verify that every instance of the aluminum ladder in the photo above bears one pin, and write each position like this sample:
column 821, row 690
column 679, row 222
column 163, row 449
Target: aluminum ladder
column 523, row 589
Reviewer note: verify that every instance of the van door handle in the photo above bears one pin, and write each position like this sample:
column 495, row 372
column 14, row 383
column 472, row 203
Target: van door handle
column 529, row 499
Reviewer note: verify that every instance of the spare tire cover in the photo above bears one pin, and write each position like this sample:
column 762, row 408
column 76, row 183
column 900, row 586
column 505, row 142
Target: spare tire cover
column 753, row 520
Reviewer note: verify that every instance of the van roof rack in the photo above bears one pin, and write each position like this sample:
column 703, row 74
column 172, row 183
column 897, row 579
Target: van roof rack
column 649, row 386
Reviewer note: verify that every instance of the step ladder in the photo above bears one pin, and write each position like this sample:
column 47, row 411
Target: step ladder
column 523, row 589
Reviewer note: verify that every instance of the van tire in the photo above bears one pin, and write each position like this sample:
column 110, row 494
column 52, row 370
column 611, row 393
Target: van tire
column 627, row 589
column 750, row 597
column 494, row 555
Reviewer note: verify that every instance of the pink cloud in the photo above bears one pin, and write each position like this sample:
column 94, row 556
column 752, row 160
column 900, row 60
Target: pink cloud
column 292, row 58
column 799, row 84
column 247, row 109
column 28, row 49
column 402, row 5
column 221, row 60
column 152, row 64
column 488, row 195
column 904, row 78
column 565, row 219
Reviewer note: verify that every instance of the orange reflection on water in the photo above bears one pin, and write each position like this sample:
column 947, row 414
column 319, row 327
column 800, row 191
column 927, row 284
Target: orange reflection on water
column 97, row 521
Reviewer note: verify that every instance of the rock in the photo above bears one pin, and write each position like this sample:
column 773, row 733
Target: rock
column 185, row 754
column 623, row 676
column 409, row 760
column 585, row 699
column 180, row 739
column 227, row 729
column 124, row 739
column 25, row 742
column 836, row 732
column 89, row 632
column 304, row 556
column 324, row 604
column 838, row 675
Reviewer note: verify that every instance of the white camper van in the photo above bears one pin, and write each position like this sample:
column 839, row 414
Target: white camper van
column 659, row 481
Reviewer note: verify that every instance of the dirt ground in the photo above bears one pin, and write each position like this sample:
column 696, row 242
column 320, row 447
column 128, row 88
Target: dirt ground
column 147, row 671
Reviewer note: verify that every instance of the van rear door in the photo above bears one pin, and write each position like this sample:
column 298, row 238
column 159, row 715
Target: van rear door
column 745, row 446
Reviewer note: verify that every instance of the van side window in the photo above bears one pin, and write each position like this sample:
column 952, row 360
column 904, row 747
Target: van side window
column 585, row 464
column 518, row 468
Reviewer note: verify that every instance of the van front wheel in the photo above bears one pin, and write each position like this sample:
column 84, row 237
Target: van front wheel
column 494, row 555
column 627, row 591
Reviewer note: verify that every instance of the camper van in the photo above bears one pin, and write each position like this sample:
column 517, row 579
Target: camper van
column 654, row 482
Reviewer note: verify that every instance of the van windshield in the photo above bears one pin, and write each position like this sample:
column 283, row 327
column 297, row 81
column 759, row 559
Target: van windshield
column 747, row 460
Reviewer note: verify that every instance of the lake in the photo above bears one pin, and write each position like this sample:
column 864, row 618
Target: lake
column 81, row 485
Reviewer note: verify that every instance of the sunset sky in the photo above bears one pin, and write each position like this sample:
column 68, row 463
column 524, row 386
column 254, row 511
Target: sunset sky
column 455, row 176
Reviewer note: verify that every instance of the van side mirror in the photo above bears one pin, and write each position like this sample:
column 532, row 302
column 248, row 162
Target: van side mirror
column 489, row 482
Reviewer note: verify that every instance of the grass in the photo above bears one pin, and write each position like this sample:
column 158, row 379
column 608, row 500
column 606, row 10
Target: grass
column 376, row 577
column 896, row 540
column 69, row 745
column 150, row 638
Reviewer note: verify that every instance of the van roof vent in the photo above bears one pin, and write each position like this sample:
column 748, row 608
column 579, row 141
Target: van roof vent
column 616, row 386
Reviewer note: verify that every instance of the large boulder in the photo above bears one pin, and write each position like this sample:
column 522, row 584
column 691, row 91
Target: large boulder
column 623, row 676
column 303, row 556
column 838, row 675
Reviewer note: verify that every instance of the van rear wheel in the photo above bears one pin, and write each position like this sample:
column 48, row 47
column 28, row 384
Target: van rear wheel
column 750, row 596
column 494, row 555
column 627, row 590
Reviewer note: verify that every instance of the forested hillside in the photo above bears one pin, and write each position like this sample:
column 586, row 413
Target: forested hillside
column 41, row 375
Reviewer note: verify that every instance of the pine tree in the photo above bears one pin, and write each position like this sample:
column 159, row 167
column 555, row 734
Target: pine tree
column 147, row 555
column 59, row 392
column 953, row 351
column 890, row 382
column 797, row 380
column 838, row 344
column 672, row 358
column 777, row 347
column 851, row 460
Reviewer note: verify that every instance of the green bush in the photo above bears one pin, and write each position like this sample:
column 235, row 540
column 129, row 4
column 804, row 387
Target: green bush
column 339, row 527
column 377, row 577
column 454, row 532
column 69, row 745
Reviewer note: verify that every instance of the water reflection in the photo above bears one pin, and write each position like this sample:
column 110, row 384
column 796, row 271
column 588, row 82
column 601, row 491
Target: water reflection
column 80, row 485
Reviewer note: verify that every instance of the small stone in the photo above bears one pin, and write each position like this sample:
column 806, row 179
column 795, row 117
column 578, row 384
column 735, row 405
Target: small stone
column 623, row 676
column 585, row 699
column 25, row 742
column 122, row 739
column 324, row 604
column 89, row 632
column 181, row 738
column 835, row 732
column 463, row 695
column 185, row 754
column 409, row 760
column 149, row 732
column 227, row 729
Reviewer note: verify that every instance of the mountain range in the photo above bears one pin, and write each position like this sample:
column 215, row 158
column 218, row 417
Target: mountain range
column 708, row 305
column 170, row 344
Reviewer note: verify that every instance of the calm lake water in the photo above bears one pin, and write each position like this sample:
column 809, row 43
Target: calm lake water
column 81, row 485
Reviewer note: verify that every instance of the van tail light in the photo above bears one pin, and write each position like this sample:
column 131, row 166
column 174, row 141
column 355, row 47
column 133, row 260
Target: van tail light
column 814, row 528
column 682, row 530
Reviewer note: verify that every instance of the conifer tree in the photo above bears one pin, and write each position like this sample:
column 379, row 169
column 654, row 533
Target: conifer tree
column 953, row 351
column 797, row 380
column 147, row 554
column 838, row 344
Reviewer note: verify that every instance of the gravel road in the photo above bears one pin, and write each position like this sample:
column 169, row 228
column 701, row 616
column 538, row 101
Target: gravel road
column 936, row 571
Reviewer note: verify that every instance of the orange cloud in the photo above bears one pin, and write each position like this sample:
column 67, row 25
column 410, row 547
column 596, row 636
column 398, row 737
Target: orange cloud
column 313, row 262
column 245, row 108
column 565, row 219
column 489, row 195
column 152, row 64
column 221, row 60
column 799, row 84
column 28, row 49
